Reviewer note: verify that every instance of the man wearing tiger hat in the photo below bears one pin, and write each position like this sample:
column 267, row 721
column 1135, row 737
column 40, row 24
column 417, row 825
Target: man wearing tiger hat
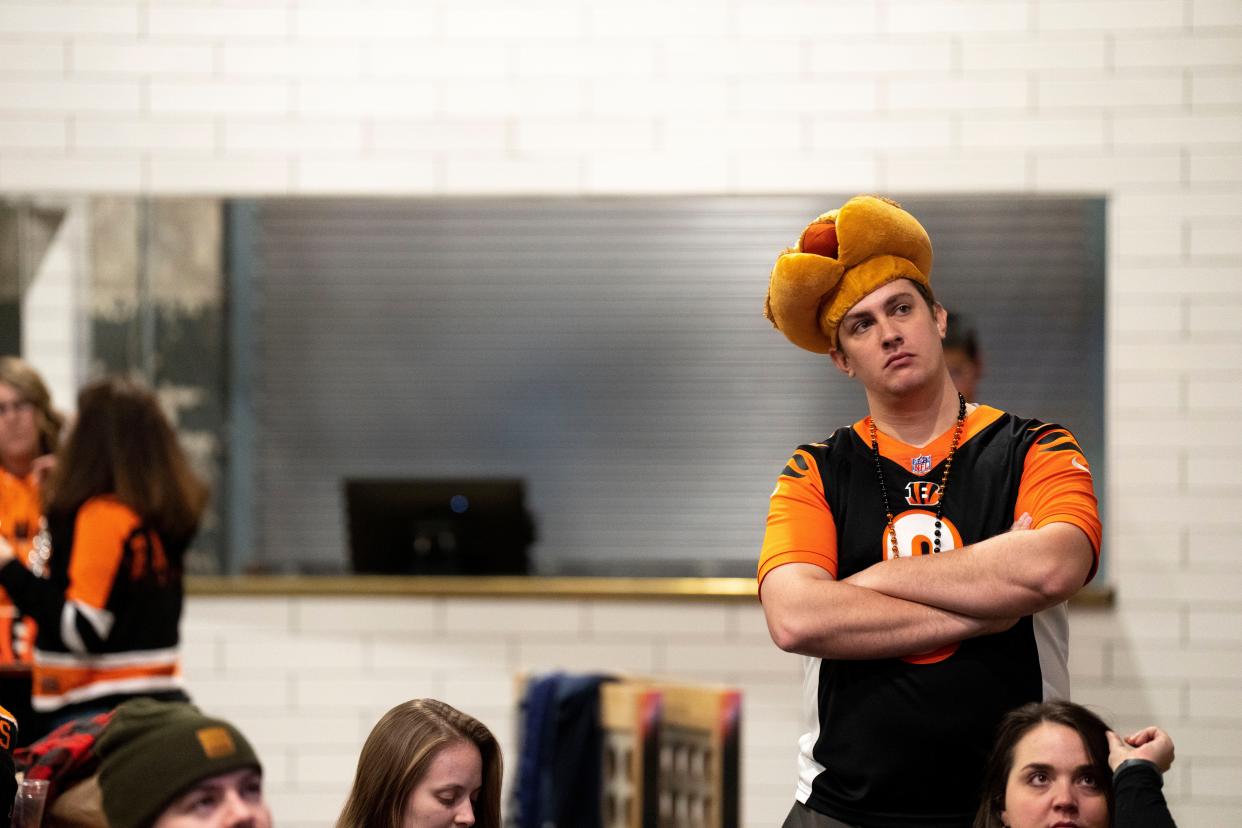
column 919, row 559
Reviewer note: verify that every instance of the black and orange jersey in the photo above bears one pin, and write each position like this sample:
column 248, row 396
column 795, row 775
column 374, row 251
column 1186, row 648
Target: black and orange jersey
column 8, row 743
column 902, row 741
column 8, row 731
column 20, row 513
column 108, row 611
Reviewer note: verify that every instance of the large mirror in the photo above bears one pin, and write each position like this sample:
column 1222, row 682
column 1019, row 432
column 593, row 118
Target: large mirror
column 95, row 286
column 604, row 358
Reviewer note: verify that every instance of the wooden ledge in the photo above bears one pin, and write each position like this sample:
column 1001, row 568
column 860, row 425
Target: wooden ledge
column 729, row 589
column 480, row 586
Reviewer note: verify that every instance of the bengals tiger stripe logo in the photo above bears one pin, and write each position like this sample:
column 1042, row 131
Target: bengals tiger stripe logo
column 1058, row 439
column 923, row 493
column 799, row 461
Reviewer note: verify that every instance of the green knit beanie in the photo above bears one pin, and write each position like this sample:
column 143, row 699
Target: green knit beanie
column 152, row 751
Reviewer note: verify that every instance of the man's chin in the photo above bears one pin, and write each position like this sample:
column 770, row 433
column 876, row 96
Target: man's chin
column 905, row 384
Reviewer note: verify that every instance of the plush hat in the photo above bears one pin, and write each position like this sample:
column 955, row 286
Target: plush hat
column 152, row 751
column 841, row 257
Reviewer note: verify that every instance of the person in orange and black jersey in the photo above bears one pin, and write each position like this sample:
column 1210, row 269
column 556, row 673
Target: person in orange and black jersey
column 29, row 435
column 8, row 772
column 920, row 558
column 121, row 509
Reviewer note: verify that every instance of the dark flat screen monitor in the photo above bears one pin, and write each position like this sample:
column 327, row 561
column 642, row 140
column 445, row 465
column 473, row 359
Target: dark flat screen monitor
column 439, row 527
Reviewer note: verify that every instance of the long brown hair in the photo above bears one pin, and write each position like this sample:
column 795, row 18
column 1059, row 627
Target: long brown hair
column 1016, row 724
column 21, row 375
column 398, row 753
column 123, row 445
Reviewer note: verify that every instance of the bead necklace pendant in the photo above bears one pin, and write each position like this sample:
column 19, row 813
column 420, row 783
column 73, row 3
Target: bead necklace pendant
column 944, row 478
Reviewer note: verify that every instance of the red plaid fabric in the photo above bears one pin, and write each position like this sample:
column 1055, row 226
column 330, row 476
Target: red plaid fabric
column 65, row 756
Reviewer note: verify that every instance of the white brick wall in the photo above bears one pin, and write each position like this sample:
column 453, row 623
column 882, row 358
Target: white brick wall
column 54, row 344
column 306, row 678
column 1138, row 100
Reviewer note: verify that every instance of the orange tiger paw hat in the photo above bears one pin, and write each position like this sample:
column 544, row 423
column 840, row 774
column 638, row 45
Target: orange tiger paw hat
column 841, row 257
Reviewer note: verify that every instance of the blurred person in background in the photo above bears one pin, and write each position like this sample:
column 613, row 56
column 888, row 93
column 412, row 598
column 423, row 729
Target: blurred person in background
column 29, row 436
column 121, row 506
column 962, row 356
column 426, row 765
column 1057, row 763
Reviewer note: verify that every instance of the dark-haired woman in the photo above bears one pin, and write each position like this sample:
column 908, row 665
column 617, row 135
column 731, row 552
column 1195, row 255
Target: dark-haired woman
column 1057, row 763
column 121, row 508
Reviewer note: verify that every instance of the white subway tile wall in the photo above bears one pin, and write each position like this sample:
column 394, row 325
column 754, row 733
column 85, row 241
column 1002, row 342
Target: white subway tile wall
column 306, row 678
column 1137, row 100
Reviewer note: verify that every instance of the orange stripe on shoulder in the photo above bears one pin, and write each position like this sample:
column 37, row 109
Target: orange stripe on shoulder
column 99, row 534
column 105, row 511
column 800, row 527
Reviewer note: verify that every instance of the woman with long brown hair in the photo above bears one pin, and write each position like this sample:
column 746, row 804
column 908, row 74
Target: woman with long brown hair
column 29, row 435
column 121, row 508
column 426, row 765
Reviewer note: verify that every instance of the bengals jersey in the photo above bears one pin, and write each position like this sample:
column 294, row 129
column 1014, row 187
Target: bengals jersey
column 108, row 611
column 902, row 741
column 20, row 513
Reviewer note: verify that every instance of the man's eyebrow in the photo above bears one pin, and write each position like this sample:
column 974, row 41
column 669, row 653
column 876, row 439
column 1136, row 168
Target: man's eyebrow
column 855, row 314
column 904, row 296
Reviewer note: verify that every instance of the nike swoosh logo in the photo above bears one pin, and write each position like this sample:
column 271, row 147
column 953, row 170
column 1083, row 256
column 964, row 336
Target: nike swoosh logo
column 1078, row 465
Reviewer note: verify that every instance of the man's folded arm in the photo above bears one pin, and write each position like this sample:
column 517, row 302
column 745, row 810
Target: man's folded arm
column 811, row 613
column 1017, row 573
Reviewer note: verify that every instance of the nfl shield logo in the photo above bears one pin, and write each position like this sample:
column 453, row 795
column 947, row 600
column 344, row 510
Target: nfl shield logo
column 921, row 464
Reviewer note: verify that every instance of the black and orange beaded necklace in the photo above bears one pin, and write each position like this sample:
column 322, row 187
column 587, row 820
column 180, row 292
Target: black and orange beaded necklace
column 944, row 478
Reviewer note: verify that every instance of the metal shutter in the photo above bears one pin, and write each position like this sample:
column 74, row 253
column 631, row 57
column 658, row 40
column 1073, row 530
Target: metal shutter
column 612, row 352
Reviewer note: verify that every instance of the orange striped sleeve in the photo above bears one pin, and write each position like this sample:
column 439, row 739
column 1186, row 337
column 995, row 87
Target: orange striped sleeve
column 99, row 535
column 1057, row 488
column 800, row 527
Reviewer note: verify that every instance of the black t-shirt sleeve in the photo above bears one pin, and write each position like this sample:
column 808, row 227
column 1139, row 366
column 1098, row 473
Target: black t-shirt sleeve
column 1139, row 800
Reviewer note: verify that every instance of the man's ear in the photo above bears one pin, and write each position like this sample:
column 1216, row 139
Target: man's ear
column 842, row 362
column 942, row 319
